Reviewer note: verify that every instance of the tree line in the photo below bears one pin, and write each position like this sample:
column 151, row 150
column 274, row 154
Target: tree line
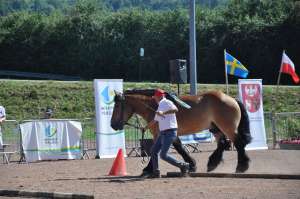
column 48, row 6
column 94, row 42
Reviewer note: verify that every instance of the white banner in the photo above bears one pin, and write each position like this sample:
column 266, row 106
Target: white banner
column 203, row 136
column 250, row 93
column 51, row 140
column 108, row 141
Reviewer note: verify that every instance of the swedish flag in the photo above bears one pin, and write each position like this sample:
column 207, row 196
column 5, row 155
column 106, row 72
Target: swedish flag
column 234, row 66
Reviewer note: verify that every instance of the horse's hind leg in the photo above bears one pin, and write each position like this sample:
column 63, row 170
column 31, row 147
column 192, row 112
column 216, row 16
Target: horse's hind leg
column 243, row 159
column 185, row 154
column 217, row 156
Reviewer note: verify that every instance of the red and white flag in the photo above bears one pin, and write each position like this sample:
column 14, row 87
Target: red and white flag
column 288, row 67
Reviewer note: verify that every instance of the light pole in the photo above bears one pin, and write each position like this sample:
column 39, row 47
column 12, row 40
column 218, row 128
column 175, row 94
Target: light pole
column 142, row 51
column 193, row 60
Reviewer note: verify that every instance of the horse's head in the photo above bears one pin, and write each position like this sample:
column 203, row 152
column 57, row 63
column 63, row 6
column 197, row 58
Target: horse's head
column 121, row 113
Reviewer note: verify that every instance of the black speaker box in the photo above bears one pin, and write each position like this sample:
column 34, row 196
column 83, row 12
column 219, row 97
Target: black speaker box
column 178, row 71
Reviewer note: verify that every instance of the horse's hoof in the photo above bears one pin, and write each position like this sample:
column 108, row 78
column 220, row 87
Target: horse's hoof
column 241, row 168
column 213, row 163
column 192, row 169
column 211, row 167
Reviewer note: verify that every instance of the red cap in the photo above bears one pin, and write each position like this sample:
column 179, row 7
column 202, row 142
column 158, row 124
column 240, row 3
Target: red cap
column 159, row 93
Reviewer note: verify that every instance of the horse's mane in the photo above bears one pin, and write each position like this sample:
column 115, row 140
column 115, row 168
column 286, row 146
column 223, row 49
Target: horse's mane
column 185, row 100
column 146, row 92
column 150, row 92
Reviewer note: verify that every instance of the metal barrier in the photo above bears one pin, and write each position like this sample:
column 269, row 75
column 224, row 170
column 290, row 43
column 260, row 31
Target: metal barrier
column 268, row 119
column 278, row 126
column 132, row 137
column 11, row 141
column 287, row 126
column 281, row 126
column 88, row 137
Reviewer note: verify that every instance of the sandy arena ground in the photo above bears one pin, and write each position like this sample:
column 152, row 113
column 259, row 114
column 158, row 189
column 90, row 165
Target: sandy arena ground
column 90, row 176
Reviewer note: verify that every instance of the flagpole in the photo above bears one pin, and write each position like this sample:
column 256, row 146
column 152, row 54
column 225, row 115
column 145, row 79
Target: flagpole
column 279, row 75
column 278, row 79
column 273, row 118
column 226, row 77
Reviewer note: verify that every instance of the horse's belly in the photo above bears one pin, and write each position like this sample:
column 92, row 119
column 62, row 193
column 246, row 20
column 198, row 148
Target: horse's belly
column 186, row 129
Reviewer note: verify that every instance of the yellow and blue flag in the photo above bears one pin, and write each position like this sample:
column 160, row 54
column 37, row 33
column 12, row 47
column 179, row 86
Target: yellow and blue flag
column 234, row 66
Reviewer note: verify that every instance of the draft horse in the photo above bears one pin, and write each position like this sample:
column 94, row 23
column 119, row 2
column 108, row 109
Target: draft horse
column 214, row 110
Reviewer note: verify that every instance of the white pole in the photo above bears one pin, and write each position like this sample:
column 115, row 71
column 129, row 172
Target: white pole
column 193, row 63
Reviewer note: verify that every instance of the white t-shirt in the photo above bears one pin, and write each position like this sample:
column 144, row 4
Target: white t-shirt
column 168, row 121
column 2, row 114
column 2, row 111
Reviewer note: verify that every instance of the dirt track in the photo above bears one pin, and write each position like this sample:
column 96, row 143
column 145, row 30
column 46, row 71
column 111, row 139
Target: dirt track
column 90, row 177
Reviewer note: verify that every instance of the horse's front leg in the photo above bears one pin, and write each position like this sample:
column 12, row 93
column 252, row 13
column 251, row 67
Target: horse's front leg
column 148, row 170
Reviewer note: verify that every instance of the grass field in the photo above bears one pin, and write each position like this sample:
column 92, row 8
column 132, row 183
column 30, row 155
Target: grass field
column 24, row 99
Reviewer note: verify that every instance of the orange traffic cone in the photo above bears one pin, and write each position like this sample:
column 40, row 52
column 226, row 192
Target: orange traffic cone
column 119, row 167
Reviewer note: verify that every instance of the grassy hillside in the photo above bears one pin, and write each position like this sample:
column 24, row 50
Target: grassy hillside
column 25, row 99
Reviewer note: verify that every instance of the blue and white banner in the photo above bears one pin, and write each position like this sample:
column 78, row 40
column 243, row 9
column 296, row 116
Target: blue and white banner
column 250, row 93
column 108, row 141
column 51, row 140
column 203, row 136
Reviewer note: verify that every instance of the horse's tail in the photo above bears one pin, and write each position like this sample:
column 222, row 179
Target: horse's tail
column 244, row 125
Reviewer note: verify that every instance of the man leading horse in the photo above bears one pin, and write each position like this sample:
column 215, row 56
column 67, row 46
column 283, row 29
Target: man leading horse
column 166, row 118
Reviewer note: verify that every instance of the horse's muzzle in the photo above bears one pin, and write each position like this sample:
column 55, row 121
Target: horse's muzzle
column 117, row 125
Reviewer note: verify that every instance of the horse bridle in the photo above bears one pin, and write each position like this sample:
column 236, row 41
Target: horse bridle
column 122, row 111
column 133, row 125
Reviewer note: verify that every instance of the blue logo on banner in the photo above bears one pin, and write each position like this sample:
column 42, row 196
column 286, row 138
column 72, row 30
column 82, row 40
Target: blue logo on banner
column 50, row 131
column 107, row 95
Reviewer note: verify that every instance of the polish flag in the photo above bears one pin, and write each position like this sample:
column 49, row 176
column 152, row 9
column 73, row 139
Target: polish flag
column 288, row 67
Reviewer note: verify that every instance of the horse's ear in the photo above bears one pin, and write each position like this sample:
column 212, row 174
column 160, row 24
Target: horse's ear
column 117, row 92
column 119, row 95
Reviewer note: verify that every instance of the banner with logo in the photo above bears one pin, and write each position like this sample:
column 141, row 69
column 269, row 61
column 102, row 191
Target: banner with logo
column 203, row 136
column 250, row 93
column 108, row 141
column 51, row 140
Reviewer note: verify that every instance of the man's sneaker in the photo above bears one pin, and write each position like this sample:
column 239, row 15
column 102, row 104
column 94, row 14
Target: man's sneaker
column 145, row 174
column 184, row 168
column 155, row 174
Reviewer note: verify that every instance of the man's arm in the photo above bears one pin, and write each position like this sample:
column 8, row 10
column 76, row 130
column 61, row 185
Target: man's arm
column 170, row 111
column 2, row 119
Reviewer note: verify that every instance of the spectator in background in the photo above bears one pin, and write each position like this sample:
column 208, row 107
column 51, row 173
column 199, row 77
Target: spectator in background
column 48, row 113
column 2, row 119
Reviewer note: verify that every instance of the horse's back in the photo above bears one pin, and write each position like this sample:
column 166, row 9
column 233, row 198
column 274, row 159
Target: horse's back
column 213, row 97
column 213, row 107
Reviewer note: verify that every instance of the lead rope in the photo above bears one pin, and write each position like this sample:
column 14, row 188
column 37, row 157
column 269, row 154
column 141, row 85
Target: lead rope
column 138, row 126
column 144, row 160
